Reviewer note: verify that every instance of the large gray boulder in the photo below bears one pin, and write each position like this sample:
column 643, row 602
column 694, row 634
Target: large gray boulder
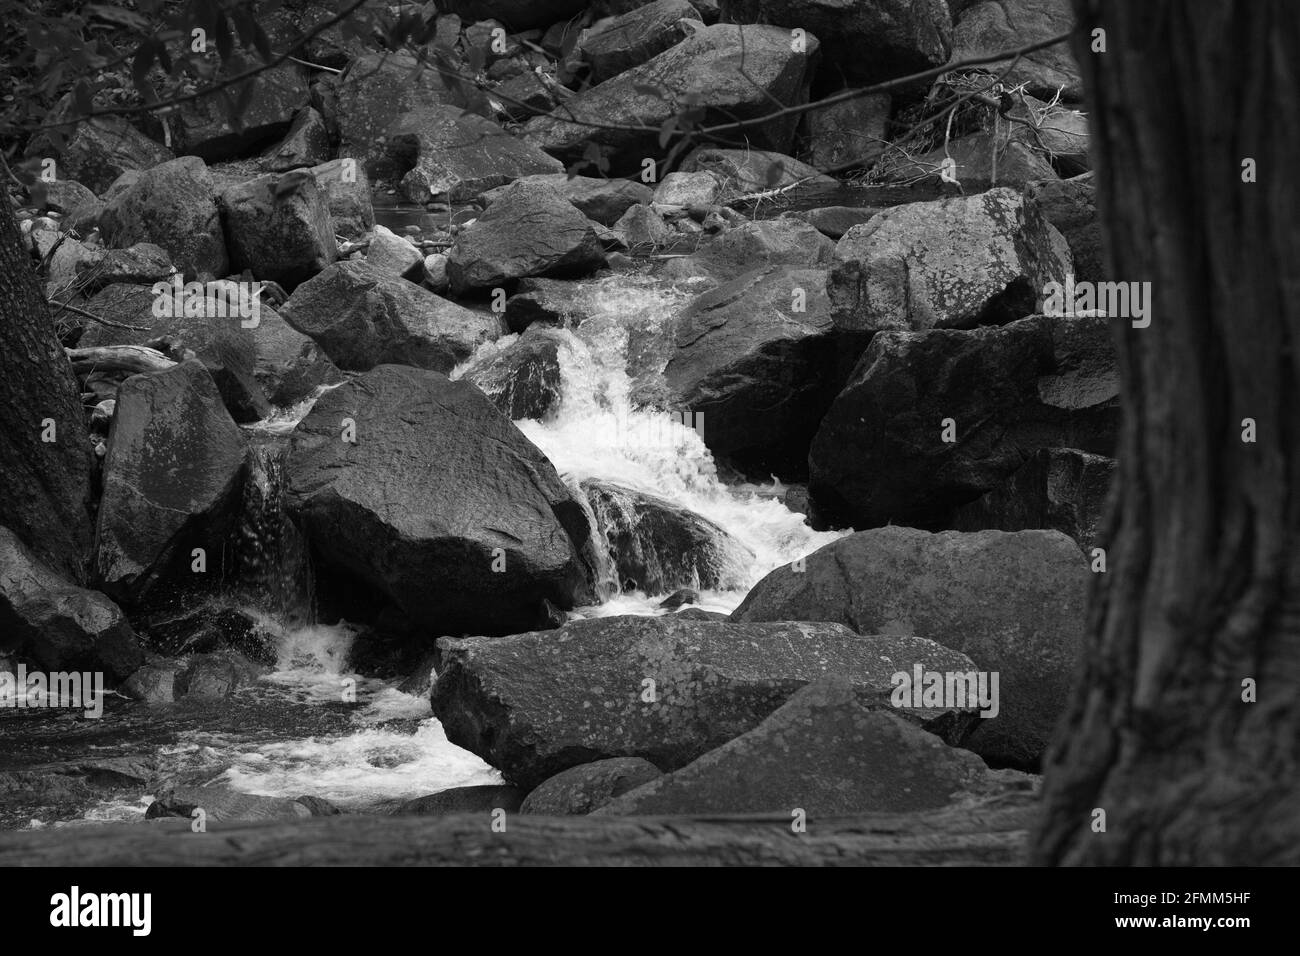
column 632, row 38
column 929, row 421
column 347, row 194
column 376, row 89
column 529, row 230
column 279, row 227
column 662, row 688
column 600, row 200
column 759, row 244
column 951, row 263
column 363, row 317
column 991, row 26
column 255, row 363
column 871, row 41
column 59, row 626
column 203, row 126
column 440, row 504
column 102, row 149
column 172, row 477
column 733, row 85
column 1015, row 603
column 822, row 753
column 174, row 206
column 455, row 155
column 757, row 357
column 656, row 547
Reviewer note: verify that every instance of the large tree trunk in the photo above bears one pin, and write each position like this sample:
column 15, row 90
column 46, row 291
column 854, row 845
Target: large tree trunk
column 1203, row 587
column 45, row 492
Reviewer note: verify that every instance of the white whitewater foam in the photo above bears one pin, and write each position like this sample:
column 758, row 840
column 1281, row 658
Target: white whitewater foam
column 598, row 432
column 380, row 762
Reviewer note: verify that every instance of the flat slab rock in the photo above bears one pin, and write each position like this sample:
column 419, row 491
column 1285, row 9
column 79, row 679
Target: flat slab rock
column 665, row 688
column 821, row 753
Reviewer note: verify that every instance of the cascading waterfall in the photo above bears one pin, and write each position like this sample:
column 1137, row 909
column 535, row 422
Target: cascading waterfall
column 274, row 564
column 611, row 425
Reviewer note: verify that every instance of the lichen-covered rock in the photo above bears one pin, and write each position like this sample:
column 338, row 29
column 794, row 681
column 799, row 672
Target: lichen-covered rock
column 734, row 84
column 950, row 263
column 1015, row 603
column 279, row 227
column 822, row 753
column 363, row 317
column 663, row 688
column 173, row 205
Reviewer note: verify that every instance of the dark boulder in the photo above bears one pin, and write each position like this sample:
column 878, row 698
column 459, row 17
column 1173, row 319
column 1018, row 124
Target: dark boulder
column 523, row 379
column 758, row 356
column 453, row 155
column 1061, row 489
column 734, row 84
column 59, row 626
column 656, row 546
column 363, row 317
column 173, row 205
column 932, row 420
column 278, row 227
column 405, row 510
column 529, row 230
column 171, row 480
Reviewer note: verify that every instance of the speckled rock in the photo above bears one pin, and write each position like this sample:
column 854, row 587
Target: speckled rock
column 589, row 787
column 823, row 753
column 950, row 263
column 1015, row 602
column 662, row 688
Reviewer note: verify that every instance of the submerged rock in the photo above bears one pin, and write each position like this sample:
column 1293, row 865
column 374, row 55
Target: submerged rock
column 656, row 546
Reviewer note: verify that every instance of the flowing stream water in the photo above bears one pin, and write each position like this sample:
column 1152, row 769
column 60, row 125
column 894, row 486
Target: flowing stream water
column 290, row 734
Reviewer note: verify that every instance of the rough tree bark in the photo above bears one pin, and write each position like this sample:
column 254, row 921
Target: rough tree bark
column 1203, row 586
column 45, row 490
